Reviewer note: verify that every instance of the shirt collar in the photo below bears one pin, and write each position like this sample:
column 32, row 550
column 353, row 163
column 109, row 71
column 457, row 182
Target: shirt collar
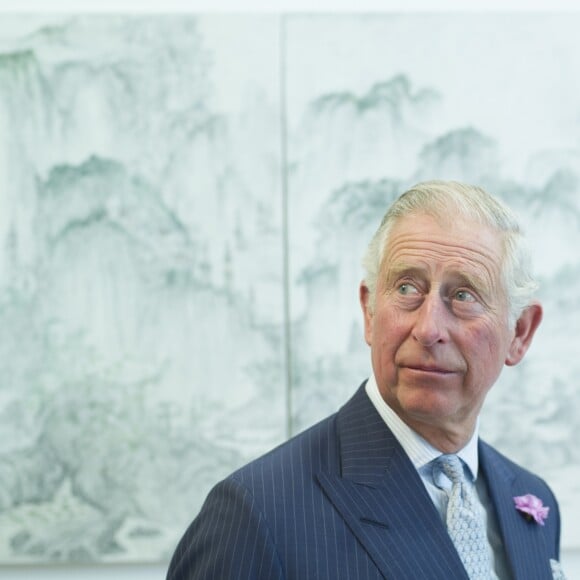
column 420, row 451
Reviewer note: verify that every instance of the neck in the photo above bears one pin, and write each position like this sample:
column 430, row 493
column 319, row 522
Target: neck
column 447, row 439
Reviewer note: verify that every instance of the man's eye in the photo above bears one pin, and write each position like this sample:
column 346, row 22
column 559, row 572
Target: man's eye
column 464, row 296
column 407, row 289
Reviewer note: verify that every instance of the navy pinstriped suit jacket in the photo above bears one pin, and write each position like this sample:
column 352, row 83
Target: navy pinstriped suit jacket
column 343, row 501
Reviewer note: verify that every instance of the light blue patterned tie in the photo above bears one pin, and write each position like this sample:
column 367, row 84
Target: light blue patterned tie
column 464, row 525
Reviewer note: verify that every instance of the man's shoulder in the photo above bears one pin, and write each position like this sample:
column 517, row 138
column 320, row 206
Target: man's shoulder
column 314, row 449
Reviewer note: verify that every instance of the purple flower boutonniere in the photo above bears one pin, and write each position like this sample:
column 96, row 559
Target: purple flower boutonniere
column 532, row 508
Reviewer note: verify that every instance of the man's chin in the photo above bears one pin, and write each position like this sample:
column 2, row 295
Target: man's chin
column 427, row 407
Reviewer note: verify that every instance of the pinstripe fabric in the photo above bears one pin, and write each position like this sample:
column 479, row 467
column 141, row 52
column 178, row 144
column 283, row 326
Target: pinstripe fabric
column 343, row 501
column 529, row 546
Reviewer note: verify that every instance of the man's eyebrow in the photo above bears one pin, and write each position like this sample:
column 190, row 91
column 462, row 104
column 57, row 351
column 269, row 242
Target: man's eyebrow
column 403, row 269
column 470, row 279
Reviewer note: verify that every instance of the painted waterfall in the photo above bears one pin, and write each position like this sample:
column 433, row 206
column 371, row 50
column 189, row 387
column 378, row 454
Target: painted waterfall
column 140, row 276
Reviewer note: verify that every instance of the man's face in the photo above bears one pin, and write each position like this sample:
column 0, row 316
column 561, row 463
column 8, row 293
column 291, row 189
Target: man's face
column 439, row 331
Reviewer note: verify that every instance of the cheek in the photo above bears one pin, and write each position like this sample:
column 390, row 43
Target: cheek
column 387, row 337
column 487, row 346
column 388, row 331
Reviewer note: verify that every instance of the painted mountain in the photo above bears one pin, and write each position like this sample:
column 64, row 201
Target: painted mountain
column 141, row 282
column 373, row 121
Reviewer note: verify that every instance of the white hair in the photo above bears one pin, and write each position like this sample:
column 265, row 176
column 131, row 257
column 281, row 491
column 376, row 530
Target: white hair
column 442, row 198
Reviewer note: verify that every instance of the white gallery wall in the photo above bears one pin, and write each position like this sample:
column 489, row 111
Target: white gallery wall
column 185, row 199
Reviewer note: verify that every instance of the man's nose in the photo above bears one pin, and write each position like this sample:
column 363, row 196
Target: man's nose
column 431, row 324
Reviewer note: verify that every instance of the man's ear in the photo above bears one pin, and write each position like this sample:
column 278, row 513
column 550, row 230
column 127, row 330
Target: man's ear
column 526, row 326
column 366, row 304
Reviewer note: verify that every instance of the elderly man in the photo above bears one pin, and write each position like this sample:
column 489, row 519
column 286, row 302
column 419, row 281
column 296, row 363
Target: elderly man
column 397, row 484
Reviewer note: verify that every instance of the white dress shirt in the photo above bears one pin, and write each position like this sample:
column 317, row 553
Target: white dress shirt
column 422, row 455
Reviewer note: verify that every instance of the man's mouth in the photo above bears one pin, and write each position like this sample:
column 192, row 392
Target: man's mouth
column 429, row 369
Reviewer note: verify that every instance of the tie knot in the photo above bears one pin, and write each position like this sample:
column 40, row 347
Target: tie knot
column 452, row 467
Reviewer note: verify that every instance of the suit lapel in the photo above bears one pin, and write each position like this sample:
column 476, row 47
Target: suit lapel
column 384, row 502
column 525, row 542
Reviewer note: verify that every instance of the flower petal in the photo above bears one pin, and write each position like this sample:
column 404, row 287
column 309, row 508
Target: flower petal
column 532, row 507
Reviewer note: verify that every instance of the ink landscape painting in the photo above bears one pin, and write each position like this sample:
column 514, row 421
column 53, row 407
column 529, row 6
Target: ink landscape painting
column 185, row 202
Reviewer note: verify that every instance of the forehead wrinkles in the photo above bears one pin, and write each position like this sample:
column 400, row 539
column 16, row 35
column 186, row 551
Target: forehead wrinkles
column 452, row 253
